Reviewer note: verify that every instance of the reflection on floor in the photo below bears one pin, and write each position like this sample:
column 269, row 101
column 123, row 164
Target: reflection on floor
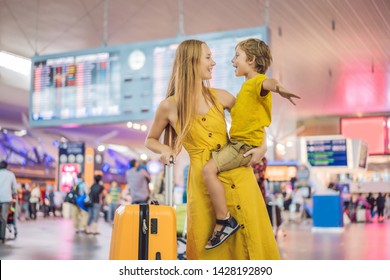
column 358, row 241
column 54, row 239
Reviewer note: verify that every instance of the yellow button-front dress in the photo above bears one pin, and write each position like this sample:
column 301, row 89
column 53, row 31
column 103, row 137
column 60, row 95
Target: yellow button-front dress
column 255, row 239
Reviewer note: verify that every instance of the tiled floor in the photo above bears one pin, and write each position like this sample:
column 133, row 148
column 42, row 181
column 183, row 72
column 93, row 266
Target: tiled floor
column 54, row 239
column 358, row 241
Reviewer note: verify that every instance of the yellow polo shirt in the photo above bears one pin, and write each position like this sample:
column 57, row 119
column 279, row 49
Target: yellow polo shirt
column 251, row 112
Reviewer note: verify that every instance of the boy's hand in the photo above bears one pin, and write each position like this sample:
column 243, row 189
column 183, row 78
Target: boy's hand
column 286, row 94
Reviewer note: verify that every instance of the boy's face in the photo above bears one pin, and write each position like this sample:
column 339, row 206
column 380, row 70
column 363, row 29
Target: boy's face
column 206, row 63
column 241, row 63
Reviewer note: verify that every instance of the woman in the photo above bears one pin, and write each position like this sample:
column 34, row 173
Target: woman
column 192, row 116
column 34, row 201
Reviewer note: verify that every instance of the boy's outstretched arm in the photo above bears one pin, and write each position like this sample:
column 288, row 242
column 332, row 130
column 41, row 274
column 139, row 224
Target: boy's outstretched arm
column 275, row 86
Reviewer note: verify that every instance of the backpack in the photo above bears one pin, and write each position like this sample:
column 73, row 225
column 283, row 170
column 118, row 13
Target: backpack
column 72, row 195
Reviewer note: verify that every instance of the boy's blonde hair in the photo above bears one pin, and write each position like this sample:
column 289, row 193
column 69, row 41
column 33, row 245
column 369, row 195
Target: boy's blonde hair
column 255, row 48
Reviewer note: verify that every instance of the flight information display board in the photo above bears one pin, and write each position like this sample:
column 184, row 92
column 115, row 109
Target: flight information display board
column 327, row 152
column 121, row 83
column 76, row 87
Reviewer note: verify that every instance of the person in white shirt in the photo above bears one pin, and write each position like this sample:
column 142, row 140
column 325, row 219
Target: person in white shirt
column 7, row 189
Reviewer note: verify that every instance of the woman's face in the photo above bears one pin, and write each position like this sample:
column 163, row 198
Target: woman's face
column 206, row 63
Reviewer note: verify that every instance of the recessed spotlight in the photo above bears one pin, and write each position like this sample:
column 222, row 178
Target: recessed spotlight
column 143, row 157
column 101, row 148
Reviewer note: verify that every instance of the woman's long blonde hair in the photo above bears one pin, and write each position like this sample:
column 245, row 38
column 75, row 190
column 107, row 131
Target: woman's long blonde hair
column 182, row 86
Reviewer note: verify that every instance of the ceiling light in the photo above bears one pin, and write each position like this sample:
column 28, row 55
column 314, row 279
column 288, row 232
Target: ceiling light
column 143, row 157
column 20, row 133
column 15, row 63
column 290, row 144
column 101, row 148
column 144, row 127
column 281, row 148
column 136, row 126
column 129, row 124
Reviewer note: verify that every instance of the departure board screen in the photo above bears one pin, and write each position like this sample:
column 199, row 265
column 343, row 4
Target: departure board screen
column 327, row 152
column 76, row 87
column 121, row 83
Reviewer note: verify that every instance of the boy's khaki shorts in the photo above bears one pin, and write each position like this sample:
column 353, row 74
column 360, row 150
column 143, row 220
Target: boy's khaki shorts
column 231, row 156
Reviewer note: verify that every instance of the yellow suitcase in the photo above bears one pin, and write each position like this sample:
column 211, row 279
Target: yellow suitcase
column 144, row 232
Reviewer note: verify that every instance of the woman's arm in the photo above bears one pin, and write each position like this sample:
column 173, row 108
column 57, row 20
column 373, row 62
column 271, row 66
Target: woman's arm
column 161, row 120
column 226, row 99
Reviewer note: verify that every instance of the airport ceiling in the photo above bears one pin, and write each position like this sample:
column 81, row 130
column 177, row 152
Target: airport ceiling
column 334, row 53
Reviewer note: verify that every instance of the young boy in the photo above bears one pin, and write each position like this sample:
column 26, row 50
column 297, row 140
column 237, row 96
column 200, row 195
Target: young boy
column 250, row 114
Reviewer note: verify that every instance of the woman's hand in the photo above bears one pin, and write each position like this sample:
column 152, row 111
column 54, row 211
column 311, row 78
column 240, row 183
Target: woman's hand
column 166, row 154
column 257, row 155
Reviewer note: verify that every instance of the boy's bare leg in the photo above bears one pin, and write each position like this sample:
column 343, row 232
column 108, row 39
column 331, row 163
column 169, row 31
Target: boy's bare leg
column 216, row 191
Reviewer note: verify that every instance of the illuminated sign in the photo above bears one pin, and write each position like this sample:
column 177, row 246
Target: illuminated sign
column 327, row 152
column 68, row 175
column 373, row 130
column 71, row 161
column 280, row 173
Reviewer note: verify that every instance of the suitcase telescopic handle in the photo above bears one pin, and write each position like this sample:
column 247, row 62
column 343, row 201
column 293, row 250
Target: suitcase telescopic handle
column 169, row 182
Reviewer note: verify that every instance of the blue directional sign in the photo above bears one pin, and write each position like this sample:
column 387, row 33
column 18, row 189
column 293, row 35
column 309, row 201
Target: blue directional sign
column 327, row 152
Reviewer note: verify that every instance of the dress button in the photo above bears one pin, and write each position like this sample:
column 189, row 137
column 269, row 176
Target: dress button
column 210, row 134
column 233, row 186
column 242, row 226
column 218, row 146
column 238, row 207
column 204, row 119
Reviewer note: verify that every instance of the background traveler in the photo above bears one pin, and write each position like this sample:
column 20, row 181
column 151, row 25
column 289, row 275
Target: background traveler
column 79, row 215
column 34, row 201
column 137, row 180
column 95, row 193
column 25, row 203
column 115, row 194
column 380, row 204
column 8, row 190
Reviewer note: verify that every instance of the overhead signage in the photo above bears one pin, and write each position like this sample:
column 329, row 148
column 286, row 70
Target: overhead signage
column 71, row 162
column 327, row 152
column 303, row 173
column 120, row 83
